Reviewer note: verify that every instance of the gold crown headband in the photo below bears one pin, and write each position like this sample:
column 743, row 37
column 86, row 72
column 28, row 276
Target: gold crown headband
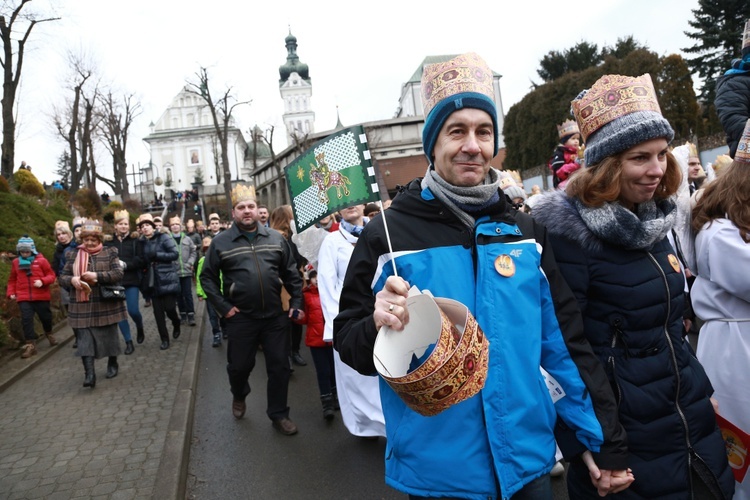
column 692, row 150
column 121, row 214
column 611, row 97
column 91, row 226
column 568, row 127
column 743, row 148
column 242, row 193
column 464, row 73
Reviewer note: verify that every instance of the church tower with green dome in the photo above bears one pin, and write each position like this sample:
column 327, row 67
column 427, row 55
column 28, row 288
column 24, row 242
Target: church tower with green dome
column 295, row 88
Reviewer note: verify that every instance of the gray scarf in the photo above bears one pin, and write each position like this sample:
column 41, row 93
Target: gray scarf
column 637, row 230
column 462, row 200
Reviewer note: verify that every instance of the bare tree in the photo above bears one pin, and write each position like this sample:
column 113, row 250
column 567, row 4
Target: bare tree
column 268, row 139
column 221, row 113
column 115, row 119
column 13, row 19
column 74, row 123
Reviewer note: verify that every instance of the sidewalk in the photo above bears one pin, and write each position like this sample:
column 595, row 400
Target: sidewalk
column 127, row 438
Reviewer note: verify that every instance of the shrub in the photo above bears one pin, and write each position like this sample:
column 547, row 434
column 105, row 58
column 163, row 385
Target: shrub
column 28, row 183
column 88, row 202
column 4, row 186
column 59, row 194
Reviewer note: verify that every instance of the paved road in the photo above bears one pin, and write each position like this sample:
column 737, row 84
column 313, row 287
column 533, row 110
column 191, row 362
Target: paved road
column 130, row 437
column 236, row 459
column 121, row 440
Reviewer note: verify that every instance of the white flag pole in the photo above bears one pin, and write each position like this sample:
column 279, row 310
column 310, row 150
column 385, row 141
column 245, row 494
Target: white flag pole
column 388, row 237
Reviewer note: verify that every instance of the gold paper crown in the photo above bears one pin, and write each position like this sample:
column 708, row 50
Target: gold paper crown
column 611, row 97
column 77, row 221
column 743, row 148
column 145, row 218
column 692, row 150
column 175, row 220
column 568, row 127
column 464, row 73
column 721, row 162
column 91, row 226
column 242, row 193
column 121, row 214
column 62, row 224
column 454, row 371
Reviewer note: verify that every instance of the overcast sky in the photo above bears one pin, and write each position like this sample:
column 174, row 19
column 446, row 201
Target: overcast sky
column 359, row 53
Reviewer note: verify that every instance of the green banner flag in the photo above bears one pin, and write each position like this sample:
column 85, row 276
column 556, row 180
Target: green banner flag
column 333, row 174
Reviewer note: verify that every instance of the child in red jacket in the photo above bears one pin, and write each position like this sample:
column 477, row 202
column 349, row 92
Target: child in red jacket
column 321, row 351
column 30, row 277
column 565, row 160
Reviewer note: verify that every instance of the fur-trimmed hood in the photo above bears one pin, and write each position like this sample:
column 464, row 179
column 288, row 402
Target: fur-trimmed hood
column 555, row 210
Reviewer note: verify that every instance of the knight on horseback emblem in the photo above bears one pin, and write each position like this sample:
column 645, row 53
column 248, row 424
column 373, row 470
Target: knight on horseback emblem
column 324, row 178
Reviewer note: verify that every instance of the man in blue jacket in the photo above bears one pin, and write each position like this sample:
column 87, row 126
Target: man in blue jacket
column 449, row 232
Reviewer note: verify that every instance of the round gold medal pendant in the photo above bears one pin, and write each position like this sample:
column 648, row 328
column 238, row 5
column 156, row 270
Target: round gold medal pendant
column 505, row 266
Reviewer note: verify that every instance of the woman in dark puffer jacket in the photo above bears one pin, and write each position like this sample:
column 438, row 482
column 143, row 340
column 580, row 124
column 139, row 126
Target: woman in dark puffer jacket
column 608, row 231
column 161, row 282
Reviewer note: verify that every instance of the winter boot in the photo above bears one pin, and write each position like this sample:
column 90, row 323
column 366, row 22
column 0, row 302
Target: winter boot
column 129, row 348
column 89, row 379
column 29, row 349
column 191, row 319
column 175, row 331
column 327, row 401
column 183, row 318
column 140, row 336
column 112, row 367
column 51, row 339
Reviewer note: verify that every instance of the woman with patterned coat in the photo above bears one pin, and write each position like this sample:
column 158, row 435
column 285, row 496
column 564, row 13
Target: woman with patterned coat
column 609, row 234
column 90, row 266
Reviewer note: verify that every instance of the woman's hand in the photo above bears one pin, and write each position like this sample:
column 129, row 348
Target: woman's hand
column 390, row 304
column 38, row 284
column 89, row 277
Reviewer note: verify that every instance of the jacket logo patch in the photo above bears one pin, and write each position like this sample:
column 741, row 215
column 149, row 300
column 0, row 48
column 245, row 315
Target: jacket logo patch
column 505, row 266
column 674, row 262
column 516, row 253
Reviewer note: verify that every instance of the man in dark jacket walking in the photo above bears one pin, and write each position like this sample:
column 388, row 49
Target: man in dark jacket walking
column 242, row 276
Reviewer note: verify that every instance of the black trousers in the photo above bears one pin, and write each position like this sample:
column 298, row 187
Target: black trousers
column 165, row 304
column 245, row 334
column 324, row 368
column 41, row 309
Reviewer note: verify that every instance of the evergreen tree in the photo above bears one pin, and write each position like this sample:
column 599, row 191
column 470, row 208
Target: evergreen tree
column 577, row 58
column 677, row 98
column 717, row 26
column 63, row 168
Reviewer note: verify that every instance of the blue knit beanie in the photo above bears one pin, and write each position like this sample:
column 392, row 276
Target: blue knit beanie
column 26, row 243
column 463, row 82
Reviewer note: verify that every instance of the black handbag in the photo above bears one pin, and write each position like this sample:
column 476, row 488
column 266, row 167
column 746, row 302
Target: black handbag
column 112, row 292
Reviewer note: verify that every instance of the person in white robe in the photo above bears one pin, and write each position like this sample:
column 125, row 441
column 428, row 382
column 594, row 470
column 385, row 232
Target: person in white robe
column 358, row 395
column 721, row 295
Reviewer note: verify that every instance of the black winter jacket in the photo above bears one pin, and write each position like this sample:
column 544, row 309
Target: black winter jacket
column 632, row 304
column 252, row 273
column 130, row 251
column 160, row 253
column 733, row 106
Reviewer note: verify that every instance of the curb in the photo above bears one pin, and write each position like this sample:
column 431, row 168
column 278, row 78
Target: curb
column 175, row 457
column 13, row 375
